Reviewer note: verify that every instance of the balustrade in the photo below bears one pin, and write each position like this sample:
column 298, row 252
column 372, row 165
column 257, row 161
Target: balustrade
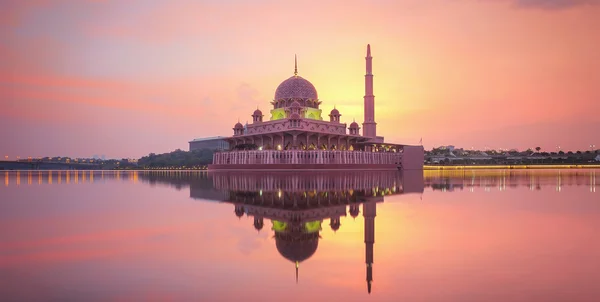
column 265, row 157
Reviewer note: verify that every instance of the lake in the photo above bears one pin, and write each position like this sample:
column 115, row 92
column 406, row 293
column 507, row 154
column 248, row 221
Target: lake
column 485, row 235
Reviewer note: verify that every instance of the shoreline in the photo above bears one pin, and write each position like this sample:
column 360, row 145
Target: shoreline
column 509, row 167
column 425, row 168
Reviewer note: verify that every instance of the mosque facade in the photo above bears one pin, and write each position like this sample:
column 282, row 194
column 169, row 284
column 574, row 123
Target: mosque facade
column 296, row 136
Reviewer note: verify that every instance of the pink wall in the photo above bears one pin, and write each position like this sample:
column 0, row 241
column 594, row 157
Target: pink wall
column 412, row 158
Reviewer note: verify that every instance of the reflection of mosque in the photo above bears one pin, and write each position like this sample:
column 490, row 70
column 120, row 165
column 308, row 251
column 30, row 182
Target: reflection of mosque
column 445, row 180
column 297, row 203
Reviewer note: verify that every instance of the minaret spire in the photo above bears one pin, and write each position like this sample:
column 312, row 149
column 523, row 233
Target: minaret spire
column 295, row 65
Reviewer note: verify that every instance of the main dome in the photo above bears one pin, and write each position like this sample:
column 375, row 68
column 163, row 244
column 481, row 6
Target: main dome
column 296, row 87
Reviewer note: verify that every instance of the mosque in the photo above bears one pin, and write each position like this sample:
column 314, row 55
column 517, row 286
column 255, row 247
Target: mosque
column 297, row 137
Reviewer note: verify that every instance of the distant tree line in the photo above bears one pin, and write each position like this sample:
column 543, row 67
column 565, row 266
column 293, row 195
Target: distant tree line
column 178, row 159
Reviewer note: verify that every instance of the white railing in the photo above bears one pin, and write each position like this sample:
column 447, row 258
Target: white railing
column 265, row 157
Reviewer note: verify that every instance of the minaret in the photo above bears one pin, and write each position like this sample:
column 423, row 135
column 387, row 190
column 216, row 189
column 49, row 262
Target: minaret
column 369, row 125
column 369, row 213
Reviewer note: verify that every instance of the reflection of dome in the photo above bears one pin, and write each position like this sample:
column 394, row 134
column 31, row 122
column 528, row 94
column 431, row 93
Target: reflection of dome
column 258, row 223
column 354, row 210
column 296, row 241
column 296, row 87
column 239, row 211
column 335, row 224
column 296, row 247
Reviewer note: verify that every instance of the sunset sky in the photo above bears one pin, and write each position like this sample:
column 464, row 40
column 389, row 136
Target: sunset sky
column 126, row 78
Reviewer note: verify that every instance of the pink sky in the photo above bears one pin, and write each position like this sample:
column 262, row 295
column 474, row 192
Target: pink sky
column 126, row 78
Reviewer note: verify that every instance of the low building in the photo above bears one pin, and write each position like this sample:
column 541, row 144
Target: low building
column 212, row 143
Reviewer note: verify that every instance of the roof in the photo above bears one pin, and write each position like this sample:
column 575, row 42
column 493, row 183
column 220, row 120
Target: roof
column 208, row 138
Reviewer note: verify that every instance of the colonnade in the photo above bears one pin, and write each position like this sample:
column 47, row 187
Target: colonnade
column 308, row 182
column 265, row 157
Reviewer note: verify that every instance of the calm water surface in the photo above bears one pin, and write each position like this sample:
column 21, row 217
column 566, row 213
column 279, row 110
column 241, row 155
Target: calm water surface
column 194, row 236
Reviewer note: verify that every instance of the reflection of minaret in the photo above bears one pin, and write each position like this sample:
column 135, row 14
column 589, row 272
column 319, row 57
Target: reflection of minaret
column 369, row 213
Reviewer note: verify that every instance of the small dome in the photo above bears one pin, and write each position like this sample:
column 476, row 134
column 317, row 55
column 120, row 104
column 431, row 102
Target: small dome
column 353, row 125
column 334, row 112
column 295, row 116
column 239, row 126
column 296, row 87
column 257, row 112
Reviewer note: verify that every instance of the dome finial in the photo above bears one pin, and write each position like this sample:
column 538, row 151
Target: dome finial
column 295, row 65
column 297, row 264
